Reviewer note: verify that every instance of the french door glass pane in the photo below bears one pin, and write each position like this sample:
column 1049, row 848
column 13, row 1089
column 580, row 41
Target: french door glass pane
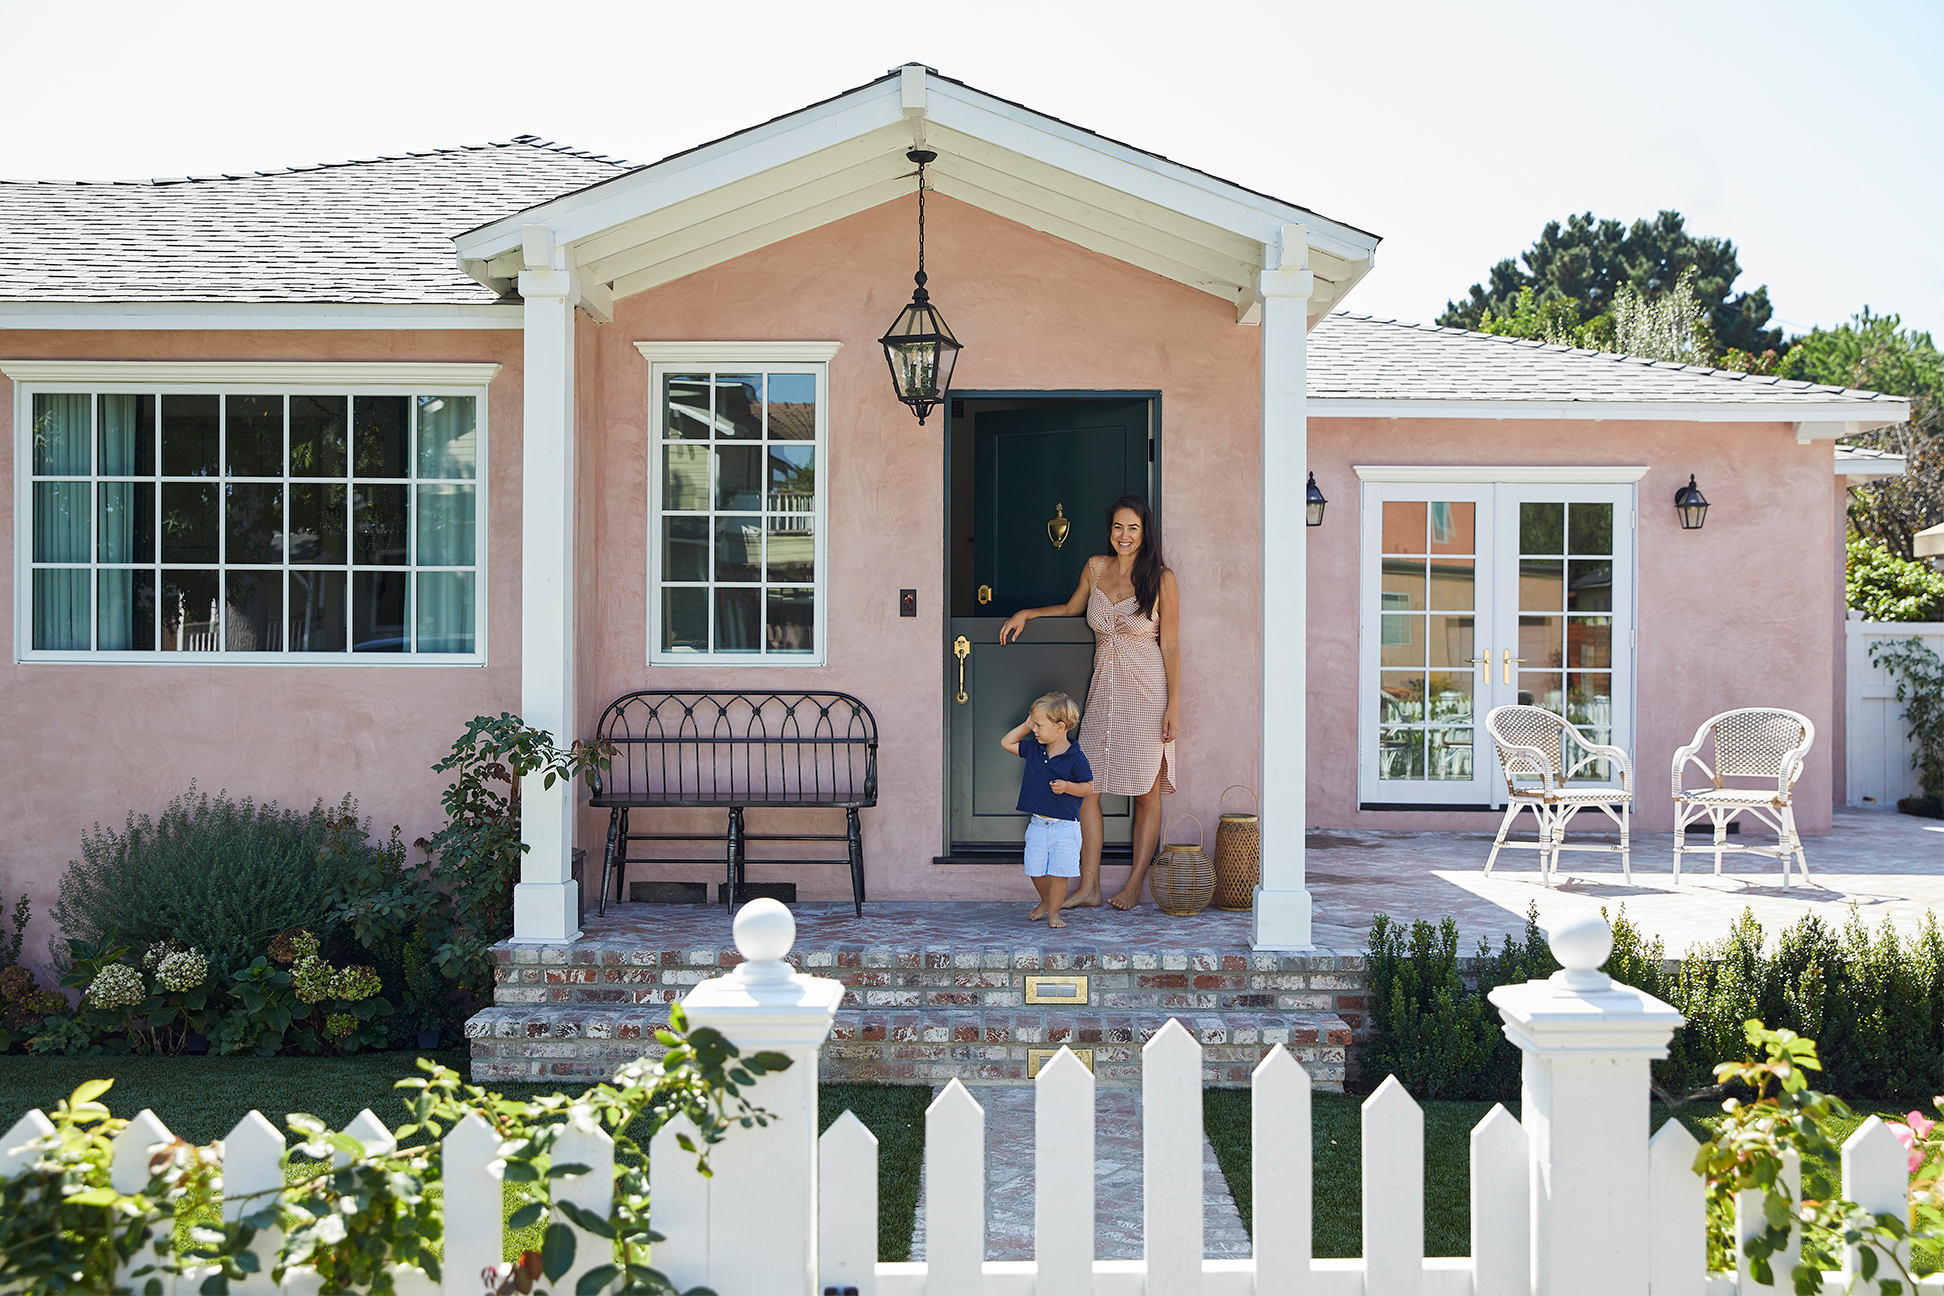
column 1429, row 562
column 1454, row 584
column 61, row 607
column 1449, row 754
column 1450, row 641
column 1404, row 526
column 1400, row 753
column 1589, row 528
column 1450, row 698
column 1403, row 584
column 1401, row 697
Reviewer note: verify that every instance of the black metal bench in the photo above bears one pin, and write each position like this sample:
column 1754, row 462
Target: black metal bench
column 735, row 752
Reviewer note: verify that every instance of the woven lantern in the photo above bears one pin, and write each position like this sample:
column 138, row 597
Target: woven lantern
column 1238, row 856
column 1182, row 880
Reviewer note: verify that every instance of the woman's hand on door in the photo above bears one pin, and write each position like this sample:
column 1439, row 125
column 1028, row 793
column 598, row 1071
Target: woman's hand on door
column 1014, row 627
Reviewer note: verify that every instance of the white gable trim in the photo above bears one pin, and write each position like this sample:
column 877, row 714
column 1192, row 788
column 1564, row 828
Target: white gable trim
column 404, row 376
column 255, row 315
column 1812, row 419
column 1441, row 473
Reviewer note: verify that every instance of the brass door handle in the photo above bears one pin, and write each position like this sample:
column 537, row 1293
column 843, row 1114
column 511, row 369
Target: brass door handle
column 985, row 594
column 961, row 648
column 1509, row 659
column 1486, row 660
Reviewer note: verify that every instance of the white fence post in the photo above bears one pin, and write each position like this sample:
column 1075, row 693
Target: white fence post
column 1171, row 1161
column 847, row 1206
column 252, row 1177
column 1876, row 1177
column 1750, row 1219
column 1393, row 1192
column 586, row 1143
column 1063, row 1175
column 1677, row 1211
column 678, row 1204
column 1501, row 1206
column 1587, row 1042
column 15, row 1150
column 763, row 1240
column 474, row 1186
column 955, row 1184
column 129, row 1173
column 1279, row 1174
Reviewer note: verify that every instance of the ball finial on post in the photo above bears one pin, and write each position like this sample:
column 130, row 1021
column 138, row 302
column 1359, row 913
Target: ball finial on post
column 764, row 932
column 1582, row 943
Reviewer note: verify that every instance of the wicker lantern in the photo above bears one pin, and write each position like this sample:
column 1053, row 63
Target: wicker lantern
column 1183, row 880
column 1238, row 856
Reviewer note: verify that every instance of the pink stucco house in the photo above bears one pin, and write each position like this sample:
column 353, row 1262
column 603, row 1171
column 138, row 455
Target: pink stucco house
column 309, row 467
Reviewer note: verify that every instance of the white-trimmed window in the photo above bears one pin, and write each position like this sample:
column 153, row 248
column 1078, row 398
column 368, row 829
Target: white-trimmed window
column 250, row 513
column 736, row 502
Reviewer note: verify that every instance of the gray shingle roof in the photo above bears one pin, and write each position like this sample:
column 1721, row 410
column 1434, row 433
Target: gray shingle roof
column 1360, row 357
column 370, row 231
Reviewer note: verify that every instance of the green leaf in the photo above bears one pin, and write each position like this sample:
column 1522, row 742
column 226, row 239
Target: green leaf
column 521, row 1172
column 89, row 1091
column 527, row 1216
column 770, row 1060
column 569, row 1170
column 557, row 1251
column 93, row 1197
column 594, row 1280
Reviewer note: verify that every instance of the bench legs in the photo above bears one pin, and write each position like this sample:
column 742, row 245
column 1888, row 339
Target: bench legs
column 617, row 833
column 854, row 834
column 735, row 880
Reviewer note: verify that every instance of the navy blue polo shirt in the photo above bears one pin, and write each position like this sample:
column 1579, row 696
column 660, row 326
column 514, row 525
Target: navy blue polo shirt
column 1036, row 796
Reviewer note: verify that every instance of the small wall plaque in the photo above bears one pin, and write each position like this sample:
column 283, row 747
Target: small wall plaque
column 907, row 602
column 1039, row 1057
column 1057, row 990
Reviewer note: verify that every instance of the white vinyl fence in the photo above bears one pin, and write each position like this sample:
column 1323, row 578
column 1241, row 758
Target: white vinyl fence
column 1879, row 770
column 1575, row 1200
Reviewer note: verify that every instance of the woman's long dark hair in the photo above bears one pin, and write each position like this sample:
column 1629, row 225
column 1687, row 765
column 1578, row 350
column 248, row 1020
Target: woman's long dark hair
column 1148, row 561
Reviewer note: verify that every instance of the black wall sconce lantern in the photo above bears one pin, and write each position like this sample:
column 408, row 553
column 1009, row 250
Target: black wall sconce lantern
column 1692, row 505
column 919, row 346
column 1313, row 504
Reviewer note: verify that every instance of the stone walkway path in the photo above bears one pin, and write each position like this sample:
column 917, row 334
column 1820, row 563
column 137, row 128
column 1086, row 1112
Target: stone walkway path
column 1117, row 1181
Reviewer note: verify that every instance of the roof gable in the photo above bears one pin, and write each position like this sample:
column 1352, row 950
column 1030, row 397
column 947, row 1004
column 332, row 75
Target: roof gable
column 847, row 154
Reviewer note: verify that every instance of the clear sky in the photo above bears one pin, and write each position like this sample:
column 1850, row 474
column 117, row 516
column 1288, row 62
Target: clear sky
column 1807, row 133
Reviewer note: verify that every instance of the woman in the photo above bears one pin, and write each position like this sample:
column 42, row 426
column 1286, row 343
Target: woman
column 1133, row 713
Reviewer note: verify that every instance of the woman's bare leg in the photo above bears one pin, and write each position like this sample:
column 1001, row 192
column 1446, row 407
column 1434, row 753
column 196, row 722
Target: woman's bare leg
column 1147, row 840
column 1093, row 832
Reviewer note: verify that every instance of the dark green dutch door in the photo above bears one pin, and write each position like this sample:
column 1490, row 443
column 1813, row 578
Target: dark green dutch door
column 1031, row 482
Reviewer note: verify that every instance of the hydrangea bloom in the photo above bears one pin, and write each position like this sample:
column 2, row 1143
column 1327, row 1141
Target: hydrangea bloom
column 183, row 971
column 311, row 979
column 116, row 986
column 158, row 954
column 293, row 946
column 355, row 983
column 339, row 1025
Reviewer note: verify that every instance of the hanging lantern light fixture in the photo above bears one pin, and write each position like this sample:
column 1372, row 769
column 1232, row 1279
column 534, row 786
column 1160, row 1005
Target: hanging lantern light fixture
column 1692, row 505
column 919, row 346
column 1313, row 504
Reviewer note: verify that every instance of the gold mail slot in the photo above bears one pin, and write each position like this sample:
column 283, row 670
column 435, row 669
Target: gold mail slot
column 1056, row 990
column 1039, row 1057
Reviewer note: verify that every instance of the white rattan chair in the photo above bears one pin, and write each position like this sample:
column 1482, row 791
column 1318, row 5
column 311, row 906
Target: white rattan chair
column 1534, row 746
column 1756, row 743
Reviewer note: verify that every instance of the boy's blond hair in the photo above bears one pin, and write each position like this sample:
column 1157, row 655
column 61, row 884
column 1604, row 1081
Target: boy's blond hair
column 1060, row 709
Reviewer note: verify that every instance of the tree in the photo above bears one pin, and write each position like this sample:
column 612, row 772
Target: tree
column 1589, row 260
column 1664, row 327
column 1877, row 353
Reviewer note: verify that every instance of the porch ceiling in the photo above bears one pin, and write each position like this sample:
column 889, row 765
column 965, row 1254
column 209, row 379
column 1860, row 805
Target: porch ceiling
column 834, row 159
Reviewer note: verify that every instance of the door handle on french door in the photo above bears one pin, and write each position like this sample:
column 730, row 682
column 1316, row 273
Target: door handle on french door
column 961, row 648
column 1509, row 659
column 1486, row 661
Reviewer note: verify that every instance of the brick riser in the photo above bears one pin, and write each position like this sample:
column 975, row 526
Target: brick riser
column 546, row 1041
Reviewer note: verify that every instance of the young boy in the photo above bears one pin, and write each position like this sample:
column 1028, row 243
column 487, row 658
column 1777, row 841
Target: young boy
column 1057, row 776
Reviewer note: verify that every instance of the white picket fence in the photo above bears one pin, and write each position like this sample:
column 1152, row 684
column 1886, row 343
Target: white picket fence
column 1878, row 768
column 1575, row 1201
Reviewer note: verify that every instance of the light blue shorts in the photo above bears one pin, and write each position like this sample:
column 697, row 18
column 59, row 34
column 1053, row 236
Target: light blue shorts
column 1052, row 847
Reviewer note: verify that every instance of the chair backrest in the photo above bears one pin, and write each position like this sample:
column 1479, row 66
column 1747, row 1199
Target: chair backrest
column 1527, row 726
column 1752, row 741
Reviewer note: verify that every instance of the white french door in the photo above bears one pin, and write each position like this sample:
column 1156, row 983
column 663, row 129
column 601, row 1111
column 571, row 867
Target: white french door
column 1482, row 594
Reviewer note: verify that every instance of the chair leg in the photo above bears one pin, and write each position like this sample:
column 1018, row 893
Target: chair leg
column 1680, row 838
column 1720, row 837
column 854, row 834
column 1795, row 840
column 607, row 859
column 1505, row 826
column 1562, row 817
column 733, row 887
column 1626, row 848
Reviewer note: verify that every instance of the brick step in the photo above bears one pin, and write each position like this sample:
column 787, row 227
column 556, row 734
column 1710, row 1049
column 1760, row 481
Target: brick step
column 539, row 1042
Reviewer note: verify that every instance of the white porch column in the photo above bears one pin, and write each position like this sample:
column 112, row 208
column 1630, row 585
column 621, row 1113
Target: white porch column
column 1587, row 1041
column 544, row 905
column 1282, row 900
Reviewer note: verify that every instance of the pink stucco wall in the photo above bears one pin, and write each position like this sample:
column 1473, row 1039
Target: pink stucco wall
column 1735, row 614
column 1035, row 314
column 87, row 743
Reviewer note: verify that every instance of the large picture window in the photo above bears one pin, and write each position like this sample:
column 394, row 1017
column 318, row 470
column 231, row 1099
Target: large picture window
column 736, row 552
column 173, row 524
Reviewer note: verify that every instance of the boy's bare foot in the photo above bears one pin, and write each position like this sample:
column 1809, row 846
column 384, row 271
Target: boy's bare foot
column 1054, row 920
column 1124, row 901
column 1082, row 900
column 1039, row 912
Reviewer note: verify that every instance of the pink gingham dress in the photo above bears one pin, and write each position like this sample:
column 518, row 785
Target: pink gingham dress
column 1121, row 730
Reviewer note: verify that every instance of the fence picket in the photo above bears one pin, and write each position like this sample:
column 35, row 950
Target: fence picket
column 252, row 1178
column 1876, row 1176
column 954, row 1193
column 1393, row 1192
column 1171, row 1160
column 847, row 1206
column 15, row 1154
column 472, row 1172
column 586, row 1143
column 370, row 1131
column 1677, row 1215
column 128, row 1172
column 1063, row 1175
column 1279, row 1174
column 1750, row 1220
column 678, row 1206
column 1501, row 1206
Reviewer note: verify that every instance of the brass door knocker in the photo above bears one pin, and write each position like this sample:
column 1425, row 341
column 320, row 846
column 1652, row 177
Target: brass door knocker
column 1058, row 526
